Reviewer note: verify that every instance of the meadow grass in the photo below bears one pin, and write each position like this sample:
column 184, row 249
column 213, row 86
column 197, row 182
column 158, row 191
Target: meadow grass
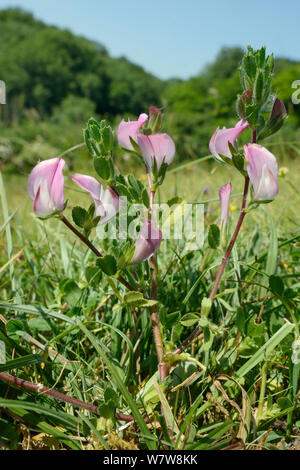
column 235, row 387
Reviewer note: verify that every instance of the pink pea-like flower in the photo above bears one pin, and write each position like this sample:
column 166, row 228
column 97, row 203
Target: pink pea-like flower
column 262, row 169
column 158, row 147
column 107, row 201
column 147, row 243
column 129, row 129
column 46, row 187
column 224, row 195
column 218, row 144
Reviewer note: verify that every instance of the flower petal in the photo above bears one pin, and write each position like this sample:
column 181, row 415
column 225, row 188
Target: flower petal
column 224, row 195
column 46, row 187
column 219, row 141
column 106, row 200
column 110, row 203
column 262, row 169
column 156, row 146
column 127, row 129
column 147, row 242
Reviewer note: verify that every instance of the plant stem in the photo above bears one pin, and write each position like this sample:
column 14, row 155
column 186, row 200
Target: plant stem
column 94, row 250
column 81, row 236
column 57, row 395
column 162, row 366
column 222, row 267
column 262, row 393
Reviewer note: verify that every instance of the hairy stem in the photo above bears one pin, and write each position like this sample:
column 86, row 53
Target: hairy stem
column 162, row 367
column 39, row 388
column 222, row 267
column 94, row 250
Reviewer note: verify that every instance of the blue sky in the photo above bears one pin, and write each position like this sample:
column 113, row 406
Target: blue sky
column 175, row 38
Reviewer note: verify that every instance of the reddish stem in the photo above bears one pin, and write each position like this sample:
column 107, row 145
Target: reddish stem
column 57, row 395
column 222, row 267
column 95, row 251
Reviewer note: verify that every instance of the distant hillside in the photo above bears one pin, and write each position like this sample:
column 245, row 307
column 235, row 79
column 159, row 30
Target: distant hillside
column 43, row 65
column 56, row 80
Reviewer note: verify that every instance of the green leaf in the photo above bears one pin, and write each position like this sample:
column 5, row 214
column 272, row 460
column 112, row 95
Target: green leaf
column 137, row 299
column 13, row 327
column 107, row 138
column 111, row 394
column 249, row 64
column 39, row 324
column 168, row 320
column 189, row 319
column 108, row 265
column 239, row 161
column 276, row 285
column 107, row 410
column 79, row 216
column 259, row 86
column 64, row 419
column 28, row 360
column 145, row 198
column 266, row 349
column 206, row 306
column 93, row 275
column 214, row 236
column 102, row 167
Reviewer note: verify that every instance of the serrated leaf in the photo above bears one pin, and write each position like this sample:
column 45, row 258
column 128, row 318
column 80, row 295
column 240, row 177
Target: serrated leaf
column 107, row 410
column 111, row 394
column 79, row 216
column 206, row 306
column 108, row 265
column 102, row 167
column 13, row 327
column 189, row 319
column 93, row 274
column 39, row 324
column 137, row 299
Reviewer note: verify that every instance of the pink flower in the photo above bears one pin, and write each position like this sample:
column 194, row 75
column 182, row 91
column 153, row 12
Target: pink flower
column 219, row 141
column 262, row 170
column 224, row 195
column 46, row 187
column 106, row 201
column 156, row 146
column 147, row 242
column 128, row 129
